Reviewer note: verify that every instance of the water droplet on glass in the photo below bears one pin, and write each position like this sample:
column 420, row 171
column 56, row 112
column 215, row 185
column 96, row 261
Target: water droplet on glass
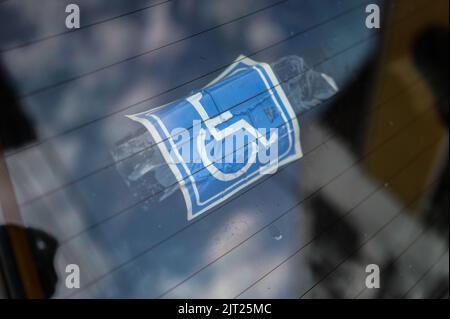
column 275, row 233
column 41, row 245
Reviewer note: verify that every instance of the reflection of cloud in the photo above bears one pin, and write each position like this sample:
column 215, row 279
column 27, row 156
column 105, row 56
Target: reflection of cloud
column 34, row 167
column 220, row 282
column 237, row 226
column 160, row 29
column 261, row 32
column 239, row 267
column 77, row 52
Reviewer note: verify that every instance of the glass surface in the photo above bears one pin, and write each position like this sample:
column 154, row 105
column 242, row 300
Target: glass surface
column 371, row 188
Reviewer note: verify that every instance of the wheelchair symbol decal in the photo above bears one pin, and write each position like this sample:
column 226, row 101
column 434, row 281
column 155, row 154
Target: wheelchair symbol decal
column 227, row 135
column 239, row 126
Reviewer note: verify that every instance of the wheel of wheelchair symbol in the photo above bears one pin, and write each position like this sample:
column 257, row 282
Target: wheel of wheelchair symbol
column 210, row 165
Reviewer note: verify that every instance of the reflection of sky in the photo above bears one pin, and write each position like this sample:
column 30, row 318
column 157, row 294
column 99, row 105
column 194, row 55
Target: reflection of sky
column 83, row 151
column 94, row 200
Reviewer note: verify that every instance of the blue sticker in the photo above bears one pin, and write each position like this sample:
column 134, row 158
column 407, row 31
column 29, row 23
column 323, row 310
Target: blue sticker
column 227, row 135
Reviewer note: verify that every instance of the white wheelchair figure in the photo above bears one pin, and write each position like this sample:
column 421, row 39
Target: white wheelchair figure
column 220, row 135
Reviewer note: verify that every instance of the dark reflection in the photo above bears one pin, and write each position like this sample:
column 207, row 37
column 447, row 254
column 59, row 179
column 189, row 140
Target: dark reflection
column 24, row 251
column 16, row 128
column 388, row 282
column 439, row 205
column 431, row 53
column 350, row 110
column 336, row 245
column 43, row 249
column 348, row 117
